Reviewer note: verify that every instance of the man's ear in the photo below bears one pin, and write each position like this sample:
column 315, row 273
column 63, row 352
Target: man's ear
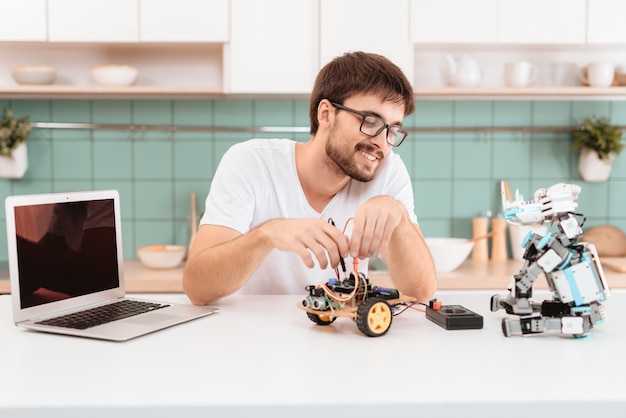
column 325, row 112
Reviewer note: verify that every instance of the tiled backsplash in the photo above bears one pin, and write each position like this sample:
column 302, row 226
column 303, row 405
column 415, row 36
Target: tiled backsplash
column 456, row 175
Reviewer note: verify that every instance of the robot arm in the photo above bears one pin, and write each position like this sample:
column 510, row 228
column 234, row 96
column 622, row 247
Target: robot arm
column 547, row 204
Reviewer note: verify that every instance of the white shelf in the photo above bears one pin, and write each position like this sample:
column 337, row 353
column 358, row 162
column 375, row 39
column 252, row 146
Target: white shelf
column 172, row 92
column 521, row 93
column 98, row 92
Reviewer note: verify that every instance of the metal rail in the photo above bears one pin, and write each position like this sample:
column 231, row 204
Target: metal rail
column 287, row 129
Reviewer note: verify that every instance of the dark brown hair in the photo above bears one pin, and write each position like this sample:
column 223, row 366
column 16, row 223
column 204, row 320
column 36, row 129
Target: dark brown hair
column 360, row 73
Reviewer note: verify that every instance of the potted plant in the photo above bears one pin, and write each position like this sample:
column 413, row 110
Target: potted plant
column 13, row 155
column 597, row 142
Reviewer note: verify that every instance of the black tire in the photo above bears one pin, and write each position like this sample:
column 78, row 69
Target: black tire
column 321, row 319
column 373, row 317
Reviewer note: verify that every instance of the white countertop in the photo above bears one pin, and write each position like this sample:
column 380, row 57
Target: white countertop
column 470, row 275
column 262, row 355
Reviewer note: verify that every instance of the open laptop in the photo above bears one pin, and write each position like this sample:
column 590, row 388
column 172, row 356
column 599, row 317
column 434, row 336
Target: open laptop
column 66, row 266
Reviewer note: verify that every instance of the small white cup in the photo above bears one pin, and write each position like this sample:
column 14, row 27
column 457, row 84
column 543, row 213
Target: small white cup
column 520, row 73
column 517, row 233
column 599, row 74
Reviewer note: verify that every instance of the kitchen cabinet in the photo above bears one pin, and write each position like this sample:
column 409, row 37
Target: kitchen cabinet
column 24, row 20
column 199, row 48
column 172, row 61
column 454, row 21
column 184, row 21
column 499, row 21
column 273, row 47
column 542, row 21
column 367, row 25
column 605, row 22
column 93, row 21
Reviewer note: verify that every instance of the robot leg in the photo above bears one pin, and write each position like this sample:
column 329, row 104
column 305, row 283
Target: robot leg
column 512, row 305
column 576, row 326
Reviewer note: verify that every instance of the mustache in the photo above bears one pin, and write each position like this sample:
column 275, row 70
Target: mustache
column 361, row 146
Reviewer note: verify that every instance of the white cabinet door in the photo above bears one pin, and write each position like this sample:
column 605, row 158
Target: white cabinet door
column 366, row 25
column 454, row 21
column 605, row 21
column 93, row 20
column 273, row 46
column 184, row 20
column 24, row 20
column 542, row 21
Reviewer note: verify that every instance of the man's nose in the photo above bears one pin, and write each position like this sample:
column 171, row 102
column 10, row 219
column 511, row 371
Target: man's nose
column 380, row 140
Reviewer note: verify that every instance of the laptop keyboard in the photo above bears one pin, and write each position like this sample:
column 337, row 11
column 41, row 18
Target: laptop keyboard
column 103, row 314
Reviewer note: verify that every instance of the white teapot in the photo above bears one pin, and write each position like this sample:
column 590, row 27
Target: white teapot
column 464, row 72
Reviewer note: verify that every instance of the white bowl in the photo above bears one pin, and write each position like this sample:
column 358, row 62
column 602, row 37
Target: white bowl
column 161, row 256
column 34, row 75
column 114, row 75
column 449, row 253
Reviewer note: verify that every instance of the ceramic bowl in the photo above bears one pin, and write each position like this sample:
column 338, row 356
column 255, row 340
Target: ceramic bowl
column 161, row 256
column 34, row 75
column 114, row 75
column 449, row 253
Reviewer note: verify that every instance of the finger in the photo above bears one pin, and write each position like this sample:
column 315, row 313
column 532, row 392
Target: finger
column 372, row 236
column 384, row 242
column 336, row 246
column 357, row 236
column 316, row 248
column 306, row 257
column 340, row 241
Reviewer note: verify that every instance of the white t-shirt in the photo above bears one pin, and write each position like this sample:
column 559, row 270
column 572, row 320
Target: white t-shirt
column 257, row 181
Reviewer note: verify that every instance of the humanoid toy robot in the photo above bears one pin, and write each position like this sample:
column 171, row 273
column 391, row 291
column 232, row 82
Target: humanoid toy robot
column 572, row 268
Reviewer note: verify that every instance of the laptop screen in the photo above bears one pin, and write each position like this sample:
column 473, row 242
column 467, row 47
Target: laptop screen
column 65, row 249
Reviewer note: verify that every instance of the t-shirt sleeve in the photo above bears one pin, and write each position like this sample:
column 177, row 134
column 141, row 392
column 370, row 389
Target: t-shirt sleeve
column 401, row 188
column 231, row 199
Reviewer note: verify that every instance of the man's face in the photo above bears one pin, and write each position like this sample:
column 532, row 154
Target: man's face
column 356, row 154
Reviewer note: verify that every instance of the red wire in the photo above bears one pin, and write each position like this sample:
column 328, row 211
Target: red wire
column 355, row 261
column 346, row 225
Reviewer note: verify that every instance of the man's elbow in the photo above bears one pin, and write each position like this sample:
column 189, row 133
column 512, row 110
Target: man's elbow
column 428, row 291
column 195, row 295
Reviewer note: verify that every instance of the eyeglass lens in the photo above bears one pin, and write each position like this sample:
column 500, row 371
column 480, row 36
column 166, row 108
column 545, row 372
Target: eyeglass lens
column 373, row 126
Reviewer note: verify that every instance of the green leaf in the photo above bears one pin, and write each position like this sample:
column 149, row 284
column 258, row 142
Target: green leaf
column 597, row 134
column 13, row 132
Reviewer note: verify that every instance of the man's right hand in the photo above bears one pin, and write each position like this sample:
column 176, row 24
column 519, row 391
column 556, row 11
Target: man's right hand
column 307, row 237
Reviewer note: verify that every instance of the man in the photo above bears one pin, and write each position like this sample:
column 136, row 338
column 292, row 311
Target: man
column 267, row 226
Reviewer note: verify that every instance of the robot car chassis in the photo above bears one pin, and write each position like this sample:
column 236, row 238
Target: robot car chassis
column 371, row 307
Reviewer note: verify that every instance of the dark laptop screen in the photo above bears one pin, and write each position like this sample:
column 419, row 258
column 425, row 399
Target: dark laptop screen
column 65, row 250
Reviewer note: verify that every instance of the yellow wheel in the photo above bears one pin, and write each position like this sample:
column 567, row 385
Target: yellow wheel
column 321, row 319
column 373, row 317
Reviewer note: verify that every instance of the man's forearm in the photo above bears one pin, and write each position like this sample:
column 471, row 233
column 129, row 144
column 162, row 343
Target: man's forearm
column 410, row 265
column 221, row 270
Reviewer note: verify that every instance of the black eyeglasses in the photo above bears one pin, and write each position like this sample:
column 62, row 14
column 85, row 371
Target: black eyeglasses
column 373, row 126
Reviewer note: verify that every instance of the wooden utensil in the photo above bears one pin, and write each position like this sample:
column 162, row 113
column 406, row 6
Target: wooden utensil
column 498, row 243
column 479, row 230
column 481, row 237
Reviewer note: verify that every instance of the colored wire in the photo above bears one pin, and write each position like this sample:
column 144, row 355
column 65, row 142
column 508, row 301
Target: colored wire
column 341, row 260
column 410, row 306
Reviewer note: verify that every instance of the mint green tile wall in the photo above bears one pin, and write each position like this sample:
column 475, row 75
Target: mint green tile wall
column 455, row 175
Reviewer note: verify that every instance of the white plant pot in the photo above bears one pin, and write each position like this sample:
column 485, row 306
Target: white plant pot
column 592, row 168
column 14, row 167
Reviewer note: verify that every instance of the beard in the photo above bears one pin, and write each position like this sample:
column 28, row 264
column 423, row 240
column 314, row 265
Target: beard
column 345, row 159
